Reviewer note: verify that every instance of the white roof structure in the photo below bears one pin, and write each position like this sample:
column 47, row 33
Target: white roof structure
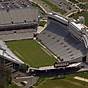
column 80, row 31
column 74, row 65
column 61, row 17
column 8, row 54
column 47, row 68
column 79, row 26
column 58, row 17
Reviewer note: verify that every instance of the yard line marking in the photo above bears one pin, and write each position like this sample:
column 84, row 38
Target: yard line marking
column 18, row 54
column 46, row 51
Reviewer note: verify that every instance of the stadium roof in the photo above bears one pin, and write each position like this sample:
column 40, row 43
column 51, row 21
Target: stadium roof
column 8, row 54
column 79, row 26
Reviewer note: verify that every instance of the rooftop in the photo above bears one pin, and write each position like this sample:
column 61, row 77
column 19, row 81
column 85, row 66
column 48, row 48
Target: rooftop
column 7, row 53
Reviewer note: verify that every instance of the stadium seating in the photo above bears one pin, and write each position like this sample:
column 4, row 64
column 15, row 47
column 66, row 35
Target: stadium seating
column 15, row 26
column 16, row 36
column 58, row 39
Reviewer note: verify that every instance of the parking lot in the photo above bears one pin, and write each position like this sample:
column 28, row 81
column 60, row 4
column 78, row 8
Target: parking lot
column 65, row 5
column 12, row 4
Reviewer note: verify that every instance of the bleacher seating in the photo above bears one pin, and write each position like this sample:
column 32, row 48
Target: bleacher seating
column 15, row 26
column 58, row 39
column 16, row 36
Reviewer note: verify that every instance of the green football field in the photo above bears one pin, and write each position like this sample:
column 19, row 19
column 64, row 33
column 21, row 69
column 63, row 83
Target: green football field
column 31, row 53
column 13, row 86
column 67, row 82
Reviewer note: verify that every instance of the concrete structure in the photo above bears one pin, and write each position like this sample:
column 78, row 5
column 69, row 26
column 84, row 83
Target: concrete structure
column 26, row 81
column 13, row 16
column 66, row 39
column 7, row 53
column 14, row 26
column 9, row 60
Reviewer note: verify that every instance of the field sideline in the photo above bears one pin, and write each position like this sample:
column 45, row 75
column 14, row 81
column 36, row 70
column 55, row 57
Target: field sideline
column 31, row 53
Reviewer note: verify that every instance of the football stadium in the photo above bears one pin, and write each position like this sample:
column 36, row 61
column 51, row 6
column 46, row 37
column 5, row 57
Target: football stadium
column 60, row 49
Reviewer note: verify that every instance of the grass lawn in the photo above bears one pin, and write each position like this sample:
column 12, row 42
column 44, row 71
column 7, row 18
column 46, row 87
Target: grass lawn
column 83, row 6
column 85, row 14
column 67, row 82
column 31, row 52
column 74, row 1
column 83, row 0
column 83, row 74
column 13, row 86
column 53, row 6
column 42, row 23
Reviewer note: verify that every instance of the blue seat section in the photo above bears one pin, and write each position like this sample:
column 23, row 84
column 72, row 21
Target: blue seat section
column 58, row 39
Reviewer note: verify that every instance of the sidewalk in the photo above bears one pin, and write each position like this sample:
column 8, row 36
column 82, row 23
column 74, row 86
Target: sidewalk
column 42, row 5
column 40, row 28
column 81, row 79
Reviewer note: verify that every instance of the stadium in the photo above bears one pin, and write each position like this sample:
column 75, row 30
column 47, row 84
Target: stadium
column 61, row 48
column 70, row 39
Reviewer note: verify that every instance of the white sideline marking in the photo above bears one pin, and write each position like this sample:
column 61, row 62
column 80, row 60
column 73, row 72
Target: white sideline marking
column 46, row 48
column 80, row 78
column 46, row 51
column 18, row 54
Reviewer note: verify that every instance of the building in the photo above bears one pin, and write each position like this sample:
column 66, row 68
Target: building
column 68, row 40
column 15, row 26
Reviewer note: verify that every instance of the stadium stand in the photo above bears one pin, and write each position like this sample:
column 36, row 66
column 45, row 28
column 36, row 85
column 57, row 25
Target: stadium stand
column 16, row 36
column 18, row 20
column 8, row 59
column 6, row 52
column 58, row 39
column 18, row 25
column 52, row 71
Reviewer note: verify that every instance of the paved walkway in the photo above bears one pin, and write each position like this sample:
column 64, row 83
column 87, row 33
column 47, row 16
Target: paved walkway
column 81, row 79
column 42, row 5
column 28, row 81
